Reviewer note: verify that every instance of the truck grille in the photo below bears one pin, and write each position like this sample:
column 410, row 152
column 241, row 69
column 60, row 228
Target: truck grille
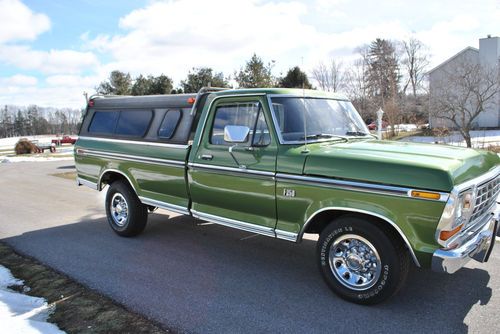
column 486, row 195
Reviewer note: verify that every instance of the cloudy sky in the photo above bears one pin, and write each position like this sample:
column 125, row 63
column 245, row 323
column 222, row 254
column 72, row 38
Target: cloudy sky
column 53, row 50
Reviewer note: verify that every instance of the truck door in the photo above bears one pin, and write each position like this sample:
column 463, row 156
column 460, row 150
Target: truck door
column 232, row 179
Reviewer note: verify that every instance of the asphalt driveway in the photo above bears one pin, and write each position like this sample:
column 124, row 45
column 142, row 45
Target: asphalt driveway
column 197, row 277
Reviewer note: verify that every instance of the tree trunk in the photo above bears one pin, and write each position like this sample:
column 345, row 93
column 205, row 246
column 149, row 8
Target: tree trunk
column 468, row 139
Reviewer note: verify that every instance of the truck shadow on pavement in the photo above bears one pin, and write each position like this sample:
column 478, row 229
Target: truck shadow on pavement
column 199, row 277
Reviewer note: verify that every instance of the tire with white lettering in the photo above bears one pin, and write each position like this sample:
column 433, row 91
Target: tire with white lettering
column 126, row 215
column 362, row 261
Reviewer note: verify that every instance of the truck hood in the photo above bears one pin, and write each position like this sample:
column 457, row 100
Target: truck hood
column 423, row 166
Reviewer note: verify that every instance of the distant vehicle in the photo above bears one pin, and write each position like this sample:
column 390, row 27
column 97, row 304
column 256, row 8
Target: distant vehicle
column 64, row 140
column 373, row 125
column 40, row 147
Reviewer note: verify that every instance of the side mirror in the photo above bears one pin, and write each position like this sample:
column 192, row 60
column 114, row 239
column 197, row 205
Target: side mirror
column 236, row 133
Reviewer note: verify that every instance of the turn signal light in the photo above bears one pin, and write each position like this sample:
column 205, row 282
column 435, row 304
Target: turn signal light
column 191, row 100
column 445, row 235
column 425, row 194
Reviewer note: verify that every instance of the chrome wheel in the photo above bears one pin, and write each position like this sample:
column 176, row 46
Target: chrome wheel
column 354, row 262
column 119, row 209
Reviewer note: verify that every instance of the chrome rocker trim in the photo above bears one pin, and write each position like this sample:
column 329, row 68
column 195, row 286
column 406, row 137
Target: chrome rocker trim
column 478, row 248
column 285, row 235
column 164, row 205
column 267, row 231
column 87, row 183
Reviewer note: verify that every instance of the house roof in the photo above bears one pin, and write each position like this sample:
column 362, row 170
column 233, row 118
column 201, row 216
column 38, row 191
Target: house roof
column 469, row 48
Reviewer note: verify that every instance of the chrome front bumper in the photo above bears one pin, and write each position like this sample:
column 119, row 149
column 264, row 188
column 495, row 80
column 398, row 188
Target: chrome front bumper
column 478, row 248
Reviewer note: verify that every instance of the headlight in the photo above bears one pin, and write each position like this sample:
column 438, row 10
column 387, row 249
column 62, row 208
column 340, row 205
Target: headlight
column 465, row 205
column 456, row 215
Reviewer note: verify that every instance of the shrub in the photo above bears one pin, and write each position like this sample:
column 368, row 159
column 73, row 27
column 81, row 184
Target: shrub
column 494, row 148
column 24, row 146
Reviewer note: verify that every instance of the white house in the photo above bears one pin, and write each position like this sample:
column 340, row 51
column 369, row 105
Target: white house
column 487, row 55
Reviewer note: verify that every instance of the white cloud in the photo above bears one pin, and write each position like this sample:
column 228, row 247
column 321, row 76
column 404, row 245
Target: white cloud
column 19, row 22
column 64, row 80
column 446, row 38
column 18, row 80
column 53, row 61
column 52, row 96
column 172, row 37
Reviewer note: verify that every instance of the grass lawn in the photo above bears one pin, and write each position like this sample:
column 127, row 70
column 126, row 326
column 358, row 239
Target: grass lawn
column 77, row 308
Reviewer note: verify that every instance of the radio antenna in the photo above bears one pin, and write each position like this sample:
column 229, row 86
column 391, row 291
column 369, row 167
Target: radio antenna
column 305, row 150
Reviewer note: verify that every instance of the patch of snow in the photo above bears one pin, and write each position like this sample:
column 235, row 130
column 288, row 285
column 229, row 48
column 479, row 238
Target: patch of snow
column 21, row 313
column 480, row 139
column 9, row 143
column 404, row 127
column 29, row 158
column 6, row 157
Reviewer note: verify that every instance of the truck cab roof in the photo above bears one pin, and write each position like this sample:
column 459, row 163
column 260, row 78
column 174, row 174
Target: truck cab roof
column 282, row 91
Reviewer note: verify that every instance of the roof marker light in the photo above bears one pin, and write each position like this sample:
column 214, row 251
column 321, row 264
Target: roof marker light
column 191, row 100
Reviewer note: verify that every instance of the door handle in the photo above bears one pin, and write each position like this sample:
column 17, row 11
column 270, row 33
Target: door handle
column 207, row 157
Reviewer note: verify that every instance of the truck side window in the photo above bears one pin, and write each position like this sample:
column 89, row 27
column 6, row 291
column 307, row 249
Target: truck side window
column 104, row 122
column 244, row 114
column 134, row 123
column 261, row 136
column 169, row 124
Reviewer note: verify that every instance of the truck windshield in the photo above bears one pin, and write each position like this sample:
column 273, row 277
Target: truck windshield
column 316, row 119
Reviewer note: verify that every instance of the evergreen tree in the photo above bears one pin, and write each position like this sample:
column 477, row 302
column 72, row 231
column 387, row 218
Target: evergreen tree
column 142, row 86
column 383, row 79
column 295, row 78
column 203, row 77
column 5, row 122
column 19, row 124
column 119, row 83
column 160, row 85
column 382, row 71
column 31, row 120
column 255, row 74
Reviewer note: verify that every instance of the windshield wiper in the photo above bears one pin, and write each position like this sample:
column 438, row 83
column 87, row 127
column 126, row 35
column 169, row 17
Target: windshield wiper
column 356, row 133
column 324, row 136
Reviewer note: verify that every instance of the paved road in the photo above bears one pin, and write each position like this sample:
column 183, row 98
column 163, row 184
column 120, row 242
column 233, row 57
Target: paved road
column 204, row 278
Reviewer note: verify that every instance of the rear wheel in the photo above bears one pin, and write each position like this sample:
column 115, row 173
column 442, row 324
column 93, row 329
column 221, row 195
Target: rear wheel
column 360, row 261
column 126, row 215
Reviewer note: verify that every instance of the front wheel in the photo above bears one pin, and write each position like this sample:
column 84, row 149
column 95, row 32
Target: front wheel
column 126, row 215
column 361, row 261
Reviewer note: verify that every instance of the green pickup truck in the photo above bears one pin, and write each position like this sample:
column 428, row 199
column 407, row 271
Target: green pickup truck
column 285, row 162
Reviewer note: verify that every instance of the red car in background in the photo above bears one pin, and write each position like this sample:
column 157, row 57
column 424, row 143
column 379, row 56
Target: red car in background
column 373, row 125
column 64, row 140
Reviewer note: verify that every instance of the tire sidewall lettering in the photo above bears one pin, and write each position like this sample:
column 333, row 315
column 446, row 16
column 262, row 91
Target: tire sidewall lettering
column 324, row 250
column 326, row 244
column 379, row 286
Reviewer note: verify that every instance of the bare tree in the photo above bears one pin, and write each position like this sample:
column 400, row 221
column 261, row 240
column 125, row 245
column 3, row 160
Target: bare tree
column 462, row 92
column 415, row 61
column 330, row 77
column 356, row 87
